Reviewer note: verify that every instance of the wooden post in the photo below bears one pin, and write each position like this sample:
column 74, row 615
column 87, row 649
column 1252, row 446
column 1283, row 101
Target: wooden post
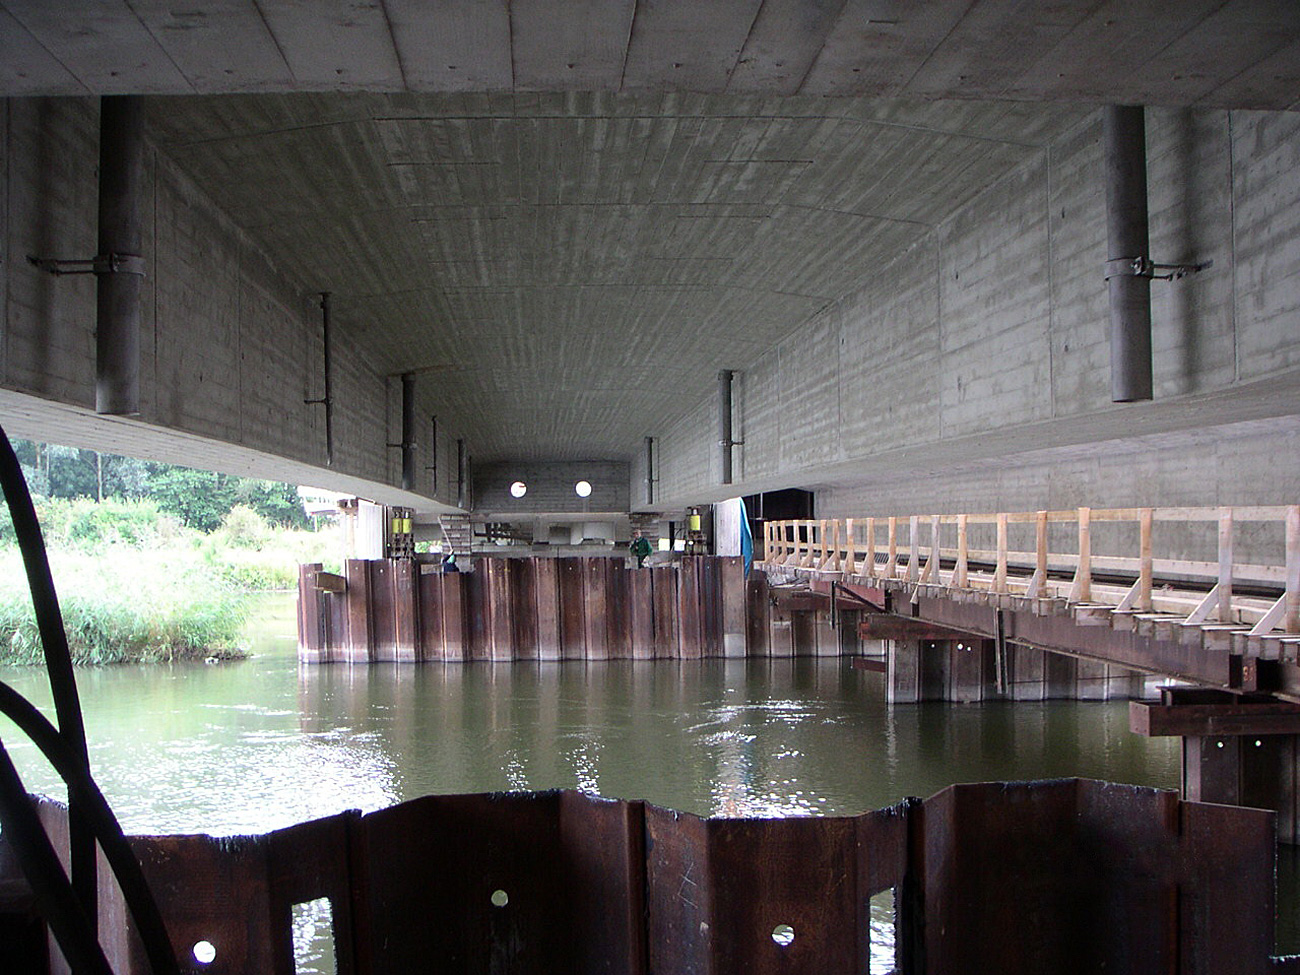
column 823, row 538
column 914, row 556
column 1040, row 545
column 1081, row 591
column 891, row 569
column 869, row 563
column 836, row 562
column 1000, row 574
column 1225, row 565
column 851, row 555
column 1144, row 560
column 959, row 573
column 934, row 567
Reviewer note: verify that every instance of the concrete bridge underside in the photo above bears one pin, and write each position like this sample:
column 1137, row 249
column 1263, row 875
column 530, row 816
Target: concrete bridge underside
column 890, row 222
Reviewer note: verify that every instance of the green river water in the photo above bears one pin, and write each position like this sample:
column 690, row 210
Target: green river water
column 250, row 746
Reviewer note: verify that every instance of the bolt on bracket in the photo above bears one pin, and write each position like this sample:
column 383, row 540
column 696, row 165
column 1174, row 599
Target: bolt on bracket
column 1144, row 267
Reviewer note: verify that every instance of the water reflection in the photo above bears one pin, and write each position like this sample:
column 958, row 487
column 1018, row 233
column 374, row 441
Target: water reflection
column 261, row 744
column 730, row 738
column 253, row 746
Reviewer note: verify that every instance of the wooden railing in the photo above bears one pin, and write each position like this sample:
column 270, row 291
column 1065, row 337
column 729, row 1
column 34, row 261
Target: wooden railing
column 911, row 548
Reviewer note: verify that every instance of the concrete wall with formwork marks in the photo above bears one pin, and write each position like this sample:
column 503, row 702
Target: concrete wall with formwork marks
column 231, row 348
column 972, row 372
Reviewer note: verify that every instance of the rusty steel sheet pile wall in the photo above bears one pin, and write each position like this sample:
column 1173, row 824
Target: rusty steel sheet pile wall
column 506, row 609
column 1014, row 878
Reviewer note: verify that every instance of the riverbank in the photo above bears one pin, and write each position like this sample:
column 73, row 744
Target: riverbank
column 135, row 587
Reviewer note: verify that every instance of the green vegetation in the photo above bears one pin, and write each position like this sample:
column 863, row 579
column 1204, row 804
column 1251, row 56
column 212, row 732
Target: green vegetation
column 197, row 499
column 110, row 619
column 157, row 570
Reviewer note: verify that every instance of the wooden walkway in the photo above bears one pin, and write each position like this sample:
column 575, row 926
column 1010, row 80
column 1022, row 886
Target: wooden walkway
column 1223, row 622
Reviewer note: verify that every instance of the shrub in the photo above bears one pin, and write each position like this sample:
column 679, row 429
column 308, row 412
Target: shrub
column 85, row 524
column 242, row 527
column 185, row 615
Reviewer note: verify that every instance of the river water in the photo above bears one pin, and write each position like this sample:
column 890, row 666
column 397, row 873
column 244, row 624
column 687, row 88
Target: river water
column 250, row 746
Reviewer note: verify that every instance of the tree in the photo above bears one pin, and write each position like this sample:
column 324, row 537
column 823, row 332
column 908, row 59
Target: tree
column 200, row 499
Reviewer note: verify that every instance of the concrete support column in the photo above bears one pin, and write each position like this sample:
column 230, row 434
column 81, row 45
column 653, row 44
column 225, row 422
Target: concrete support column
column 827, row 636
column 903, row 671
column 1122, row 683
column 1058, row 677
column 1090, row 680
column 850, row 639
column 1028, row 669
column 971, row 672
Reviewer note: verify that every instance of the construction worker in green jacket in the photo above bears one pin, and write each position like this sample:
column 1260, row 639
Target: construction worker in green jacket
column 640, row 547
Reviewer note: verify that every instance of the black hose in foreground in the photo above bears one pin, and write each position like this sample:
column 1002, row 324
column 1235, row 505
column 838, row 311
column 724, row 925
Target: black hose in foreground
column 69, row 903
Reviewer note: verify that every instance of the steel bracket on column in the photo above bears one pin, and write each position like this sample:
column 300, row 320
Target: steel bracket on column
column 101, row 264
column 1144, row 267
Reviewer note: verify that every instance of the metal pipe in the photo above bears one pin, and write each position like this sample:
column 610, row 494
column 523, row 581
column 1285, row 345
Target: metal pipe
column 432, row 467
column 119, row 266
column 1124, row 141
column 649, row 470
column 327, row 400
column 724, row 424
column 460, row 472
column 408, row 431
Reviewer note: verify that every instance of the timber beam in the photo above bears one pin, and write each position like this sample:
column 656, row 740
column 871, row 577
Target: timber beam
column 1214, row 720
column 880, row 626
column 851, row 595
column 330, row 582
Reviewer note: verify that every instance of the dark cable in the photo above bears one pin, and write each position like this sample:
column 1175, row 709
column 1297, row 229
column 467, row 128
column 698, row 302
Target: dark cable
column 69, row 904
column 107, row 830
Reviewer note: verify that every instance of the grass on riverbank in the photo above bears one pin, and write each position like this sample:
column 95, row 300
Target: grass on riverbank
column 123, row 605
column 134, row 586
